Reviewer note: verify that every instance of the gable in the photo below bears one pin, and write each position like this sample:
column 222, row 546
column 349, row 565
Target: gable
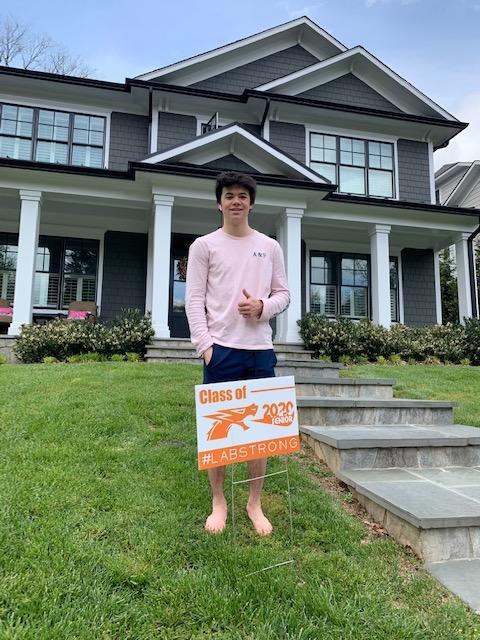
column 264, row 70
column 230, row 163
column 350, row 90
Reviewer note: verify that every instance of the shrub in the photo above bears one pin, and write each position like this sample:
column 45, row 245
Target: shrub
column 117, row 357
column 3, row 360
column 472, row 340
column 347, row 341
column 465, row 362
column 133, row 357
column 62, row 339
column 49, row 360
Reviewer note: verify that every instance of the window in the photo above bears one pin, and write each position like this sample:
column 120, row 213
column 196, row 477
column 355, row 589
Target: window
column 340, row 285
column 52, row 136
column 358, row 167
column 8, row 265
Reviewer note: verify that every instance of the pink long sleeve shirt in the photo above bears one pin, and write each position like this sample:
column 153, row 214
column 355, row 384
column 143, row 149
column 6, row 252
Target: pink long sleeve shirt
column 219, row 267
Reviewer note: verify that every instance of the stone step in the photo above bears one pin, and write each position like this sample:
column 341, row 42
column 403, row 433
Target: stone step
column 171, row 360
column 290, row 346
column 462, row 577
column 382, row 447
column 184, row 349
column 174, row 352
column 321, row 411
column 344, row 387
column 435, row 511
column 314, row 369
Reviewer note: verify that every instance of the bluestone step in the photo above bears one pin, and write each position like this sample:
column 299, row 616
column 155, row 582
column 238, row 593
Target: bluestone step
column 322, row 411
column 344, row 387
column 385, row 446
column 436, row 511
column 313, row 369
column 462, row 577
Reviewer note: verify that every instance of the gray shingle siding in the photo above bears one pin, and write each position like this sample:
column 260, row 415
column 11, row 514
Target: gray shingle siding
column 175, row 128
column 290, row 138
column 124, row 272
column 230, row 162
column 260, row 71
column 349, row 89
column 128, row 139
column 419, row 300
column 413, row 171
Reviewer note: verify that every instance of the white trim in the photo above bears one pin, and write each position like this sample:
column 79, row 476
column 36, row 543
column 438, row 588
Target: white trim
column 242, row 44
column 462, row 188
column 266, row 130
column 363, row 135
column 438, row 293
column 454, row 168
column 401, row 305
column 154, row 130
column 203, row 119
column 225, row 134
column 431, row 169
column 363, row 54
column 70, row 108
column 101, row 258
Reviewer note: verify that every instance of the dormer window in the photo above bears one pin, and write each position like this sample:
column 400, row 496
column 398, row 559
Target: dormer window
column 358, row 167
column 47, row 135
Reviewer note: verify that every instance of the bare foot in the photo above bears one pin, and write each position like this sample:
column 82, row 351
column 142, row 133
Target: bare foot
column 261, row 524
column 216, row 521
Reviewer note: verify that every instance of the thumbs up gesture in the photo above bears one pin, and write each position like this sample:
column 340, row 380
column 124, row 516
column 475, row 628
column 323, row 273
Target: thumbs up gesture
column 250, row 307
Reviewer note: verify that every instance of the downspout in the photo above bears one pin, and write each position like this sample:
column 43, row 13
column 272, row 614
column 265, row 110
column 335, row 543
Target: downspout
column 471, row 268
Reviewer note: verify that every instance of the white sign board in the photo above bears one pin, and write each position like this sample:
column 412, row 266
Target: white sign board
column 246, row 420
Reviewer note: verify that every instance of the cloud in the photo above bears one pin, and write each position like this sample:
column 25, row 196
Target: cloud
column 465, row 147
column 293, row 12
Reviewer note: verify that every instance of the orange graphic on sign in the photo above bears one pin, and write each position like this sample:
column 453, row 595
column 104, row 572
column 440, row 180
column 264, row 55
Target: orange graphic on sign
column 225, row 419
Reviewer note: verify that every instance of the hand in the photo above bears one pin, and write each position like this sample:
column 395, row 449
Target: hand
column 207, row 355
column 251, row 307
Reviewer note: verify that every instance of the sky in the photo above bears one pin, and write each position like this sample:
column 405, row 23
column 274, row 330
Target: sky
column 434, row 44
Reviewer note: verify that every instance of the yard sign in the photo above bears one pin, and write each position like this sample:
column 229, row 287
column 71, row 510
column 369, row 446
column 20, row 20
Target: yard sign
column 245, row 420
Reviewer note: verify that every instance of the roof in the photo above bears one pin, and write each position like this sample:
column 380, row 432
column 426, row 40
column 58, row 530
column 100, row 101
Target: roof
column 465, row 184
column 301, row 30
column 245, row 145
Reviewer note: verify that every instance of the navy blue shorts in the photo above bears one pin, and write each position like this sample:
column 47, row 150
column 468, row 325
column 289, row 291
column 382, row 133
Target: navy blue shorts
column 227, row 364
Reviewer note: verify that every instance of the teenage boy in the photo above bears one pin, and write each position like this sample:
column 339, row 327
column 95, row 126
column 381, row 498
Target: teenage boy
column 235, row 283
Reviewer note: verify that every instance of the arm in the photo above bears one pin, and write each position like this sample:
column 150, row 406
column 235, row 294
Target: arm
column 279, row 298
column 197, row 275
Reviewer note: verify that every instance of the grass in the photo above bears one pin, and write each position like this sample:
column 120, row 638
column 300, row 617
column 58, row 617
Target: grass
column 101, row 526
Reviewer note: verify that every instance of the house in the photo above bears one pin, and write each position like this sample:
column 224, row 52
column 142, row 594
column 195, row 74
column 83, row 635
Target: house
column 458, row 184
column 104, row 185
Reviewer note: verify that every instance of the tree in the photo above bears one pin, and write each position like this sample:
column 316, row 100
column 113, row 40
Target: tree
column 21, row 47
column 449, row 290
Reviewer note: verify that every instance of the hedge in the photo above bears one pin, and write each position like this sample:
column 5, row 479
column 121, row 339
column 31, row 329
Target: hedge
column 346, row 339
column 62, row 339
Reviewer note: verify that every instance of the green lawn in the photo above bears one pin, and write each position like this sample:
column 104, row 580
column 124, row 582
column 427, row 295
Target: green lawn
column 102, row 511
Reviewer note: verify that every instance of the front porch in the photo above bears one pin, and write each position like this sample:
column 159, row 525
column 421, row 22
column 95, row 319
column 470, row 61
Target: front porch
column 75, row 238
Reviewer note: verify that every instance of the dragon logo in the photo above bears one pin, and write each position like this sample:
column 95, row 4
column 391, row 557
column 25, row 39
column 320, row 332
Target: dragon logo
column 225, row 419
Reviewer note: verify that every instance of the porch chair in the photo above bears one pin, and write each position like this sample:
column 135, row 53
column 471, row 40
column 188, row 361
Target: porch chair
column 82, row 310
column 6, row 314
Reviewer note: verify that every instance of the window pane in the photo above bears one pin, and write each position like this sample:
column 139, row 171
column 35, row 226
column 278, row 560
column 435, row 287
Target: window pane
column 95, row 137
column 359, row 159
column 87, row 156
column 49, row 254
column 323, row 299
column 386, row 163
column 318, row 261
column 352, row 180
column 179, row 295
column 346, row 157
column 322, row 270
column 97, row 124
column 353, row 302
column 80, row 135
column 386, row 149
column 347, row 263
column 15, row 148
column 380, row 183
column 81, row 122
column 348, row 276
column 52, row 152
column 328, row 171
column 374, row 148
column 345, row 144
column 7, row 285
column 358, row 146
column 81, row 257
column 45, row 290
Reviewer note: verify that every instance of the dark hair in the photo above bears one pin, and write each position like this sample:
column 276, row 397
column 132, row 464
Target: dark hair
column 232, row 178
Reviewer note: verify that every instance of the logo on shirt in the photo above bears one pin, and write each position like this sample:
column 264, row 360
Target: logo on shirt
column 259, row 254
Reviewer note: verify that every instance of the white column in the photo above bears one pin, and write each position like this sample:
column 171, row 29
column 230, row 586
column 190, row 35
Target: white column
column 26, row 258
column 380, row 269
column 148, row 287
column 291, row 242
column 438, row 290
column 463, row 277
column 161, row 231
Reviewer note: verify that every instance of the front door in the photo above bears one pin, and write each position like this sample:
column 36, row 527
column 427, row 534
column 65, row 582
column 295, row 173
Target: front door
column 177, row 318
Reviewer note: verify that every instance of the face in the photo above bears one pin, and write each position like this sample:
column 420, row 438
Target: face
column 235, row 204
